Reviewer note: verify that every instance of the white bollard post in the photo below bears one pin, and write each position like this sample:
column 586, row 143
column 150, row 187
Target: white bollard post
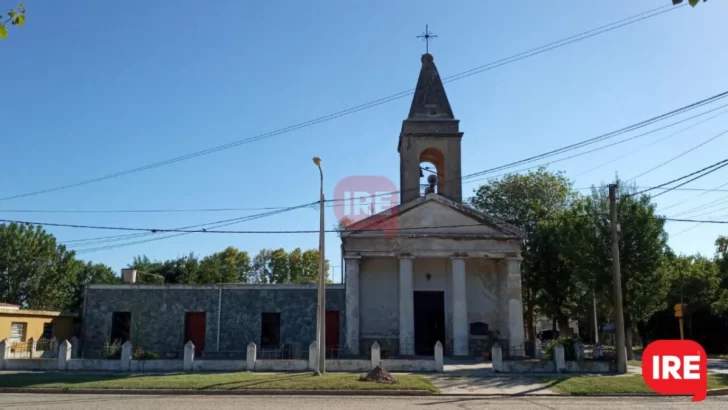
column 4, row 352
column 252, row 352
column 559, row 358
column 312, row 356
column 33, row 345
column 189, row 357
column 54, row 347
column 64, row 355
column 537, row 347
column 75, row 347
column 439, row 362
column 126, row 355
column 496, row 353
column 597, row 353
column 376, row 355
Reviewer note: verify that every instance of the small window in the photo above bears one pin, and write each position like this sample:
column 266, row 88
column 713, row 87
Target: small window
column 270, row 332
column 47, row 331
column 120, row 326
column 17, row 331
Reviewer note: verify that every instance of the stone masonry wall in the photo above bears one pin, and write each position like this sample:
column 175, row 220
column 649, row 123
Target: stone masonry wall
column 158, row 314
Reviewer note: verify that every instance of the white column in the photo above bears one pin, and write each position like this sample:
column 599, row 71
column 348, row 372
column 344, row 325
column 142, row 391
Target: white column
column 459, row 308
column 352, row 304
column 406, row 307
column 515, row 305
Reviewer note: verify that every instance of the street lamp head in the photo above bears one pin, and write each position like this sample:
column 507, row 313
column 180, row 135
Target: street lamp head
column 317, row 161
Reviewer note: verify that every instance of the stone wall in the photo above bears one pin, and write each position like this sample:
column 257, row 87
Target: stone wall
column 158, row 314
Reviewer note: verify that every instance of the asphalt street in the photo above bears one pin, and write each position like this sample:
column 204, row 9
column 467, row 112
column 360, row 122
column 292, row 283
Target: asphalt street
column 108, row 402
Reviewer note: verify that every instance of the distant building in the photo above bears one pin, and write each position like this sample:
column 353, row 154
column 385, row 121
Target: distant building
column 21, row 325
column 545, row 325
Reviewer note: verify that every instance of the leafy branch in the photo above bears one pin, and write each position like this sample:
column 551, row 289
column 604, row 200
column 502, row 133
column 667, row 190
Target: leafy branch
column 16, row 17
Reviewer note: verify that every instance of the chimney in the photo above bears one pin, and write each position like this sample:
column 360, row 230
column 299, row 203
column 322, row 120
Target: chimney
column 128, row 275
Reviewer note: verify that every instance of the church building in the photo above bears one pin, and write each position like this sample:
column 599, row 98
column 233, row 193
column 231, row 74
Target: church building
column 428, row 270
column 432, row 269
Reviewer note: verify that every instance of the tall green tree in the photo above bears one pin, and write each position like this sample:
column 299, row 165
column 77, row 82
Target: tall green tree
column 642, row 246
column 89, row 274
column 229, row 266
column 261, row 272
column 556, row 288
column 279, row 267
column 523, row 200
column 35, row 271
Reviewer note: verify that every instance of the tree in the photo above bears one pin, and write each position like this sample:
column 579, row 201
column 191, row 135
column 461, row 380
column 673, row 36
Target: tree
column 342, row 225
column 89, row 274
column 279, row 268
column 693, row 3
column 642, row 246
column 261, row 267
column 523, row 200
column 185, row 270
column 35, row 271
column 555, row 282
column 228, row 266
column 15, row 17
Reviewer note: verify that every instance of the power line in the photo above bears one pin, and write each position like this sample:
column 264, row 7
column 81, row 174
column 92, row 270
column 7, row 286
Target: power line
column 403, row 230
column 134, row 211
column 232, row 209
column 707, row 170
column 651, row 144
column 574, row 146
column 508, row 60
column 608, row 135
column 226, row 222
column 601, row 147
column 682, row 154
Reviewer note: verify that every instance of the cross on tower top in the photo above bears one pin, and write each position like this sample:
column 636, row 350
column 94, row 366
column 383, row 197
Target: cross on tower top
column 426, row 36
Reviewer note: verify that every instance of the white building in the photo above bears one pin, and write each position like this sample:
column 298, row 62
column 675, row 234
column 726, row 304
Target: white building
column 431, row 269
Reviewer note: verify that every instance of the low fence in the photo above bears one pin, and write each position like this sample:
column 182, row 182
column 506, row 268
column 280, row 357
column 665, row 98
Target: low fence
column 535, row 358
column 285, row 359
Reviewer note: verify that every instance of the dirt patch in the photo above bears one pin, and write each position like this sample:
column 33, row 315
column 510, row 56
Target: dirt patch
column 379, row 375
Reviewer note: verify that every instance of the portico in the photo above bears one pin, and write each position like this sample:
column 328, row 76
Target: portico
column 475, row 268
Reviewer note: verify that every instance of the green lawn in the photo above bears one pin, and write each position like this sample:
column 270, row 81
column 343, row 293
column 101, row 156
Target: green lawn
column 223, row 381
column 585, row 385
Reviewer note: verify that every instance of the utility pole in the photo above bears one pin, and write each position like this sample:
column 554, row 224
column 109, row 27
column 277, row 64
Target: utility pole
column 617, row 278
column 680, row 312
column 596, row 324
column 321, row 327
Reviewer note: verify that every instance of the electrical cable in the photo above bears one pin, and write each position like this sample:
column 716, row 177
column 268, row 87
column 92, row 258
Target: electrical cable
column 559, row 43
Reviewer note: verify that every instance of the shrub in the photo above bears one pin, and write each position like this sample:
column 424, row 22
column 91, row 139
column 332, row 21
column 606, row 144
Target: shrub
column 141, row 354
column 569, row 348
column 112, row 350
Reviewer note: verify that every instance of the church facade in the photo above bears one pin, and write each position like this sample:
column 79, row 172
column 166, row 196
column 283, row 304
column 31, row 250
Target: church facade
column 428, row 270
column 432, row 269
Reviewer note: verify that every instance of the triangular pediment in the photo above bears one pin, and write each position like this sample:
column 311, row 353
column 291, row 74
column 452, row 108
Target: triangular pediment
column 433, row 214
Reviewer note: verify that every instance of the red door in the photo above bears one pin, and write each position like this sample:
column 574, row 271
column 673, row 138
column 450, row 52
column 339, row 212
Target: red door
column 195, row 330
column 332, row 332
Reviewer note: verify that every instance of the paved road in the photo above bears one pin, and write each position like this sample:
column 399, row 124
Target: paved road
column 106, row 402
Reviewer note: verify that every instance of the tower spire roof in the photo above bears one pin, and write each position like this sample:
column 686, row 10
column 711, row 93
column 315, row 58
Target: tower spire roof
column 430, row 101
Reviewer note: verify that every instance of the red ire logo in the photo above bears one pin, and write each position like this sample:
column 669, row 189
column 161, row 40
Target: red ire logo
column 360, row 197
column 676, row 367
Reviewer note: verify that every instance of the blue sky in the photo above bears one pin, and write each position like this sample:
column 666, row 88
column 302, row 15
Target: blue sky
column 90, row 88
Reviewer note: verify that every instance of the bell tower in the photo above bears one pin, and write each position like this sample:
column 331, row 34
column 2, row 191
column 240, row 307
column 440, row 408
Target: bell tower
column 430, row 134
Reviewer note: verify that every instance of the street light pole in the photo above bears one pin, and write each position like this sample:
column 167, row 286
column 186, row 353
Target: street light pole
column 617, row 278
column 321, row 328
